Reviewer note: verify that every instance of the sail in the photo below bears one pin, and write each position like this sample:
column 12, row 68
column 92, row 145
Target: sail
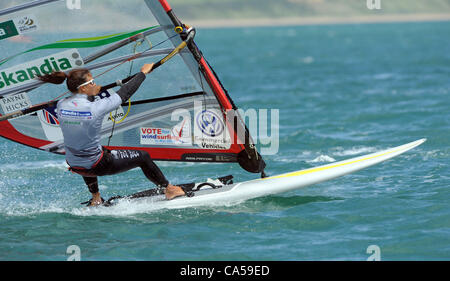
column 181, row 112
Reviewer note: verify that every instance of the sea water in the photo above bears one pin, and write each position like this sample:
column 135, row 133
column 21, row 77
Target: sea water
column 341, row 91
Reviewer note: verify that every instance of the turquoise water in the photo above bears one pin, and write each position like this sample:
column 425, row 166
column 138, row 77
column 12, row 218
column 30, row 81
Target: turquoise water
column 341, row 91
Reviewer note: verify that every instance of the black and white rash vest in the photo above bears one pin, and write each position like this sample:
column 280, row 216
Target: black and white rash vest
column 81, row 122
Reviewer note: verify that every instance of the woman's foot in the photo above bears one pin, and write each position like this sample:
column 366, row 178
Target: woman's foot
column 96, row 200
column 173, row 191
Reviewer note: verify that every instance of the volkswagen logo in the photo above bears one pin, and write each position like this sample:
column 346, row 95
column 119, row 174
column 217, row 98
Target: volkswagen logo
column 209, row 123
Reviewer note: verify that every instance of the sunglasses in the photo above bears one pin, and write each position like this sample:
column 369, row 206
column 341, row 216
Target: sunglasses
column 90, row 82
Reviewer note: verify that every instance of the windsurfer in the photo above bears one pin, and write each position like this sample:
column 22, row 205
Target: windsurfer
column 81, row 118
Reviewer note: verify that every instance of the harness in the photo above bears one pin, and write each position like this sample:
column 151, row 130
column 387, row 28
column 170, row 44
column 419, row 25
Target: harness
column 87, row 172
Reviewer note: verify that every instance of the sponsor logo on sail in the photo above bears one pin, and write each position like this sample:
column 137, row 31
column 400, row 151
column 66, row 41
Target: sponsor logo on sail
column 179, row 135
column 25, row 73
column 8, row 29
column 26, row 24
column 210, row 132
column 210, row 123
column 18, row 26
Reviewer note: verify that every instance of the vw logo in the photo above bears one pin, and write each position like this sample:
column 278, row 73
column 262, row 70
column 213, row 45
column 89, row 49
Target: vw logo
column 209, row 123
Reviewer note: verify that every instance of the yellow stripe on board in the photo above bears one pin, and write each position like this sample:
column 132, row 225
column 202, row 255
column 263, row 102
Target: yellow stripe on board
column 318, row 169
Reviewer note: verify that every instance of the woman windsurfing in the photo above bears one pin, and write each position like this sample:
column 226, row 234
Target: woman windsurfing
column 81, row 117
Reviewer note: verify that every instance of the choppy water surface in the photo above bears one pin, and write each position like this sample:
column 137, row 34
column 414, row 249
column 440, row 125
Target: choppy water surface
column 341, row 91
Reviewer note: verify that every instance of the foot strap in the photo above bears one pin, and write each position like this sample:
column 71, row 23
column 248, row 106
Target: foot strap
column 88, row 203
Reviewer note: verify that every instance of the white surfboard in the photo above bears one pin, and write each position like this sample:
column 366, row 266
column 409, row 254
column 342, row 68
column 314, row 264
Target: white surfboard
column 238, row 192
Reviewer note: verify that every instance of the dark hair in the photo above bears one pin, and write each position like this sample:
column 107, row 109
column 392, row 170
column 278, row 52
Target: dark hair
column 75, row 78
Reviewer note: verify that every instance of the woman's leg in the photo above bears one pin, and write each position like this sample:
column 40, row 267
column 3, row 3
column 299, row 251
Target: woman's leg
column 118, row 161
column 92, row 183
column 124, row 160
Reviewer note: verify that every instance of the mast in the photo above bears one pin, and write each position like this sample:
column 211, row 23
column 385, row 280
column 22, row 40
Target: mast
column 249, row 158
